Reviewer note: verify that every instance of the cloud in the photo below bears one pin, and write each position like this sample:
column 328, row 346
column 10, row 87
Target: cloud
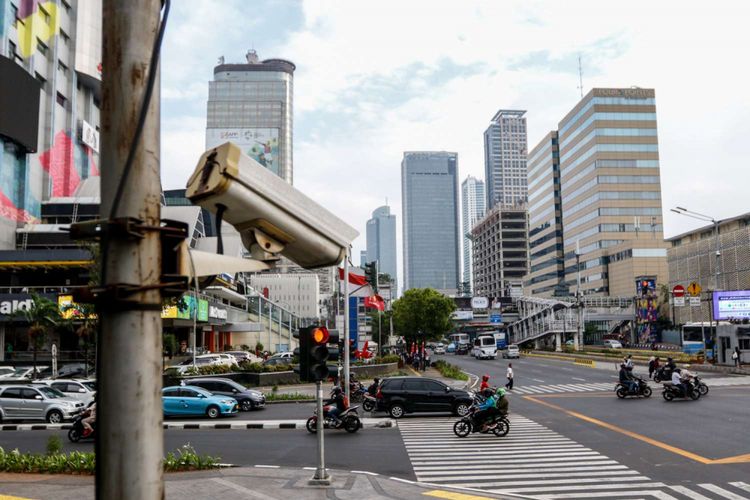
column 375, row 79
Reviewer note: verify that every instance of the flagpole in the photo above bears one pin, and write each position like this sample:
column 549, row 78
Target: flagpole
column 346, row 323
column 377, row 290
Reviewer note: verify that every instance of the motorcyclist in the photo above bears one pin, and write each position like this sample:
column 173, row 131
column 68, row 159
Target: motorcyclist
column 626, row 379
column 677, row 382
column 485, row 383
column 485, row 409
column 501, row 402
column 687, row 378
column 338, row 404
column 372, row 390
column 90, row 419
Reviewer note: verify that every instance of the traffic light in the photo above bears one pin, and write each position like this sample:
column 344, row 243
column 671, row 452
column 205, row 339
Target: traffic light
column 371, row 274
column 303, row 335
column 319, row 353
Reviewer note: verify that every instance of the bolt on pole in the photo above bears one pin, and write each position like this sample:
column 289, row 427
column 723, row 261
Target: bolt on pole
column 129, row 447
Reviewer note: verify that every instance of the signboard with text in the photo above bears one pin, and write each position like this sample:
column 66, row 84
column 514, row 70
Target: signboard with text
column 731, row 304
column 260, row 144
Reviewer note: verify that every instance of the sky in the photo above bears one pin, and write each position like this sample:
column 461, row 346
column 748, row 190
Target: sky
column 375, row 79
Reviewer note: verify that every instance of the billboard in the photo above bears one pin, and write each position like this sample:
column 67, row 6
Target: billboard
column 19, row 105
column 260, row 144
column 731, row 304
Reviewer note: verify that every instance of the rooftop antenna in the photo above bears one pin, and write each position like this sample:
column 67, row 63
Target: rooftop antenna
column 580, row 76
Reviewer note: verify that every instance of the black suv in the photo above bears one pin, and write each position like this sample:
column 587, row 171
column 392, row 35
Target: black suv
column 248, row 399
column 400, row 395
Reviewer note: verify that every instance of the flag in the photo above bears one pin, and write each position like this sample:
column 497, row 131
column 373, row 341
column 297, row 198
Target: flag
column 354, row 279
column 356, row 290
column 375, row 302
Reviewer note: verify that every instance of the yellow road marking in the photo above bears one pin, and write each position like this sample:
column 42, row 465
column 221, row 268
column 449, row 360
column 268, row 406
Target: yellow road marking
column 645, row 439
column 8, row 497
column 452, row 495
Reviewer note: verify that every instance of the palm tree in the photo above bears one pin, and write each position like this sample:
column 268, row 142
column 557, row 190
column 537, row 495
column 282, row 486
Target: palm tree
column 81, row 320
column 42, row 316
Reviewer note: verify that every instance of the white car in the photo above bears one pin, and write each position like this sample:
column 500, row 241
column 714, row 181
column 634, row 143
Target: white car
column 242, row 356
column 612, row 344
column 439, row 349
column 283, row 355
column 224, row 359
column 7, row 371
column 512, row 352
column 83, row 390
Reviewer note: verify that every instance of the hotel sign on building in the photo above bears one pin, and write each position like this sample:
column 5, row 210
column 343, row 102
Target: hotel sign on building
column 634, row 93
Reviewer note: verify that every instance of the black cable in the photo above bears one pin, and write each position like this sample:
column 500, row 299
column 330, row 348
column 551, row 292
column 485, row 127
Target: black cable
column 153, row 65
column 219, row 218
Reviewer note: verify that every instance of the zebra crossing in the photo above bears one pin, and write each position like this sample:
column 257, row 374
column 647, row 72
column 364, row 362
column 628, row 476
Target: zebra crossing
column 535, row 462
column 609, row 386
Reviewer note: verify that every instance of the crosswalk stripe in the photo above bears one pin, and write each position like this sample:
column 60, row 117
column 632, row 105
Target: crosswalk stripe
column 721, row 492
column 741, row 485
column 586, row 487
column 512, row 461
column 586, row 475
column 688, row 493
column 558, row 484
column 600, row 494
column 529, row 468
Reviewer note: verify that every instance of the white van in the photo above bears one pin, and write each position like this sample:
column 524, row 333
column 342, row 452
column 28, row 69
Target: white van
column 485, row 347
column 612, row 344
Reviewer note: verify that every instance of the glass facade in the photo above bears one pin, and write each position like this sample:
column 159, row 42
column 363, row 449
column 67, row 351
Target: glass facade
column 429, row 194
column 473, row 206
column 505, row 148
column 381, row 240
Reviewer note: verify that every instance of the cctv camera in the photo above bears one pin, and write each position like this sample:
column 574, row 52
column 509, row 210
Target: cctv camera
column 271, row 216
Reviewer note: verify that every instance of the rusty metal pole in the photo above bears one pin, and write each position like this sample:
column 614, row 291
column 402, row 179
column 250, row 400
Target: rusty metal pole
column 129, row 445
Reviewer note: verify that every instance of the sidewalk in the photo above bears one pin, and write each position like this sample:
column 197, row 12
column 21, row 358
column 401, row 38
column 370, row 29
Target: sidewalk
column 265, row 483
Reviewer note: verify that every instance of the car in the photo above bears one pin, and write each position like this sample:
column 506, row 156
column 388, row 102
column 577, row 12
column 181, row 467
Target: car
column 224, row 358
column 28, row 372
column 462, row 348
column 185, row 400
column 183, row 367
column 512, row 352
column 612, row 344
column 439, row 348
column 283, row 355
column 401, row 395
column 83, row 390
column 570, row 343
column 247, row 399
column 277, row 361
column 485, row 347
column 6, row 371
column 242, row 356
column 36, row 402
column 451, row 348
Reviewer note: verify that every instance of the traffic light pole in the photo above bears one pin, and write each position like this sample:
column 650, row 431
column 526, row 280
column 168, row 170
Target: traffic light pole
column 346, row 324
column 321, row 477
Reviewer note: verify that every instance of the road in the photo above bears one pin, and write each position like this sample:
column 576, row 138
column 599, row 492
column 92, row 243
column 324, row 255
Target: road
column 570, row 438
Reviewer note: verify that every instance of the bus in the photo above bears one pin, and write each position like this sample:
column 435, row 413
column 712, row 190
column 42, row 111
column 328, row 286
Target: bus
column 699, row 336
column 459, row 338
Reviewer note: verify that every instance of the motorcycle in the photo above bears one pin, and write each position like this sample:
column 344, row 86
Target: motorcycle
column 702, row 387
column 672, row 391
column 348, row 420
column 369, row 403
column 75, row 434
column 663, row 373
column 357, row 392
column 642, row 390
column 498, row 424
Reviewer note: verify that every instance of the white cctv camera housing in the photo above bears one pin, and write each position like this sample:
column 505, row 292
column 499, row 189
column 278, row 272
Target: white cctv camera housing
column 272, row 216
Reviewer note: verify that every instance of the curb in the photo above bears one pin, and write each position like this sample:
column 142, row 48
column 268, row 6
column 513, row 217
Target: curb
column 369, row 423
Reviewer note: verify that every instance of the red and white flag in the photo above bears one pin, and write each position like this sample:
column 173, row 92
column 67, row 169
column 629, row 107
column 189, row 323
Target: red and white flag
column 354, row 279
column 357, row 287
column 375, row 302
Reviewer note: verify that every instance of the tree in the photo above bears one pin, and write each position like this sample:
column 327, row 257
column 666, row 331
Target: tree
column 82, row 321
column 42, row 316
column 422, row 314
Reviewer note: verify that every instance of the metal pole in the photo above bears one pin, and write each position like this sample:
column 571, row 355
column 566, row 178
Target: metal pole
column 579, row 329
column 130, row 445
column 718, row 255
column 281, row 314
column 346, row 324
column 377, row 286
column 321, row 476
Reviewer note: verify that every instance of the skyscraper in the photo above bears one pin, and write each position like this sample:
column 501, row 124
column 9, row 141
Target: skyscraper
column 505, row 148
column 50, row 92
column 251, row 105
column 547, row 269
column 429, row 194
column 611, row 191
column 381, row 240
column 473, row 207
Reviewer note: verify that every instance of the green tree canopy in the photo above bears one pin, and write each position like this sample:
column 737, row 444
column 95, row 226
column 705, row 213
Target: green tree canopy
column 422, row 314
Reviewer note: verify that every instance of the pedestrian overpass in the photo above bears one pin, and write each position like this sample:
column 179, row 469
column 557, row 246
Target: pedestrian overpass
column 540, row 318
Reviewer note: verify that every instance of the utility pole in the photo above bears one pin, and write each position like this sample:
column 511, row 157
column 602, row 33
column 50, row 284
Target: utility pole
column 346, row 323
column 377, row 287
column 130, row 447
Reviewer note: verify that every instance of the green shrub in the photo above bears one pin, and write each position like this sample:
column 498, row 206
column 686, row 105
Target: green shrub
column 292, row 396
column 54, row 445
column 449, row 371
column 187, row 459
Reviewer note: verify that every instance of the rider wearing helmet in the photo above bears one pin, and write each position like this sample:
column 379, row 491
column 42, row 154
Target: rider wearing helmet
column 501, row 402
column 339, row 403
column 485, row 382
column 372, row 390
column 485, row 409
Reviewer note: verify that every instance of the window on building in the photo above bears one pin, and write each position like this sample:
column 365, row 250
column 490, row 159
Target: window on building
column 14, row 13
column 61, row 99
column 41, row 47
column 44, row 13
column 65, row 5
column 65, row 37
column 63, row 69
column 41, row 80
column 11, row 50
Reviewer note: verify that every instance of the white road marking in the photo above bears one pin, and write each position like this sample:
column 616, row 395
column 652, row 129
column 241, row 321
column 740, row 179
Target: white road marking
column 721, row 492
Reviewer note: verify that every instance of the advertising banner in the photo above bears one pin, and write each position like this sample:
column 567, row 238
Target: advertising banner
column 260, row 144
column 733, row 304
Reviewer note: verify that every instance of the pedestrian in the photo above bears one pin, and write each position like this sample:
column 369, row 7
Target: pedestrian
column 509, row 375
column 736, row 356
column 651, row 363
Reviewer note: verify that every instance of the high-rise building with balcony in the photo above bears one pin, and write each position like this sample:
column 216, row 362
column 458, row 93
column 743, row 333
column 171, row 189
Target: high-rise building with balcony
column 50, row 95
column 473, row 206
column 505, row 148
column 251, row 105
column 429, row 196
column 546, row 267
column 500, row 251
column 611, row 191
